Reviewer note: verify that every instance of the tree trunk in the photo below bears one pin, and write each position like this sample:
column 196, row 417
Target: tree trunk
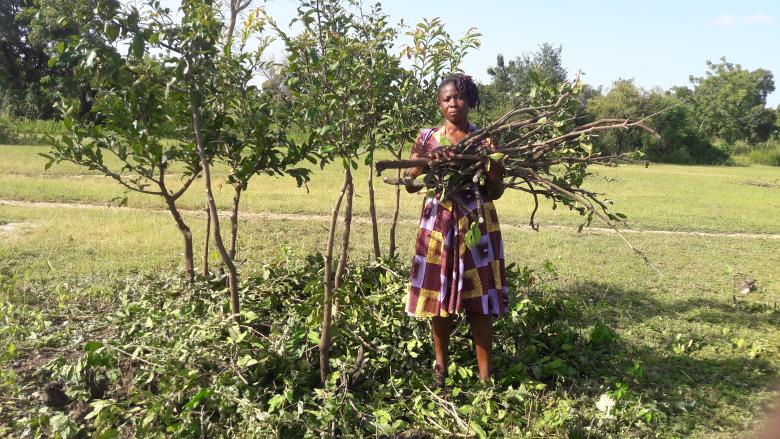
column 345, row 236
column 206, row 243
column 327, row 282
column 234, row 222
column 212, row 205
column 372, row 209
column 394, row 223
column 186, row 233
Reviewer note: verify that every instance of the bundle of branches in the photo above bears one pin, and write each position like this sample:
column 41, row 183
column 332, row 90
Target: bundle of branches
column 543, row 148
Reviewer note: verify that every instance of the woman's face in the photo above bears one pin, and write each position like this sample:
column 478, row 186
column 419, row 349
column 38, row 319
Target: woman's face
column 453, row 107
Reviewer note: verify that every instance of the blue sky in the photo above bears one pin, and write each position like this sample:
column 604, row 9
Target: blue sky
column 657, row 43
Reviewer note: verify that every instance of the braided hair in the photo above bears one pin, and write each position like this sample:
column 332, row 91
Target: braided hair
column 467, row 88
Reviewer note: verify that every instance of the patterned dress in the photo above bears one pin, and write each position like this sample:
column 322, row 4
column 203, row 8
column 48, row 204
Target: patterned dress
column 448, row 277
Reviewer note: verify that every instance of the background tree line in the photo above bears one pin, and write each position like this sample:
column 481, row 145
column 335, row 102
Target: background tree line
column 720, row 114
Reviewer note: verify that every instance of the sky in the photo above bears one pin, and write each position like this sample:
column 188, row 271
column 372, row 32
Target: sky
column 656, row 43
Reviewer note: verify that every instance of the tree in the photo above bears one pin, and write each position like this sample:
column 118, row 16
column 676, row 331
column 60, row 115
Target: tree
column 672, row 119
column 22, row 64
column 777, row 120
column 136, row 110
column 181, row 79
column 328, row 74
column 729, row 102
column 624, row 100
column 226, row 114
column 512, row 82
column 253, row 136
column 29, row 32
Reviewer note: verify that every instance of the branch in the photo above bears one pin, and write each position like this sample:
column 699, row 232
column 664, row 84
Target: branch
column 186, row 185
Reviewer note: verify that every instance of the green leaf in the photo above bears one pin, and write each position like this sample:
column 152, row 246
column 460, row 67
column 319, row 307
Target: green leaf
column 97, row 407
column 196, row 399
column 473, row 235
column 276, row 402
column 497, row 156
column 477, row 429
column 249, row 316
column 111, row 433
column 92, row 346
column 137, row 47
column 382, row 416
column 112, row 31
column 247, row 361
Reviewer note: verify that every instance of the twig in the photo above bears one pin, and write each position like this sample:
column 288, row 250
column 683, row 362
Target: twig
column 135, row 357
column 449, row 407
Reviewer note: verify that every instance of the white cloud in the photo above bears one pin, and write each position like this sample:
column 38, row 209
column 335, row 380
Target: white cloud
column 758, row 18
column 725, row 20
column 728, row 20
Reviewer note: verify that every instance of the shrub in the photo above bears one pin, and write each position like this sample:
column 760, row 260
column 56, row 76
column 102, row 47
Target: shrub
column 764, row 153
column 6, row 135
column 21, row 131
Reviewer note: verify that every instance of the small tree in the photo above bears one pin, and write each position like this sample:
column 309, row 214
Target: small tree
column 131, row 114
column 254, row 132
column 331, row 77
column 196, row 90
column 238, row 119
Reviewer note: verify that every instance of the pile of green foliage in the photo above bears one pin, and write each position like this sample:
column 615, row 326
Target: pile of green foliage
column 168, row 361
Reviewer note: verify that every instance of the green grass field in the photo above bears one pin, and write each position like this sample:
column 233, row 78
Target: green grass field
column 661, row 197
column 723, row 386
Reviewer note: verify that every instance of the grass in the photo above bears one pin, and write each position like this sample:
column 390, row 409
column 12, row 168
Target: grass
column 661, row 197
column 710, row 354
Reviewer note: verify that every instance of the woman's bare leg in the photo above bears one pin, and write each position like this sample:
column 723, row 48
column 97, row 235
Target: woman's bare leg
column 482, row 332
column 442, row 328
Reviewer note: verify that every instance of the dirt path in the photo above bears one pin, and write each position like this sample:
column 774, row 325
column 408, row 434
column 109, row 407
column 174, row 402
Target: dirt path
column 274, row 216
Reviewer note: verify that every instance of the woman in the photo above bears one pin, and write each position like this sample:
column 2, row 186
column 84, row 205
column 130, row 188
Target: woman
column 447, row 277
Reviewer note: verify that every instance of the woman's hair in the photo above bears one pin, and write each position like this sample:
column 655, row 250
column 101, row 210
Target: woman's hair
column 467, row 88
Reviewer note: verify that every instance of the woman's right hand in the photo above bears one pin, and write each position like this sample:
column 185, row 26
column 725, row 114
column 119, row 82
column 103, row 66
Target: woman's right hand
column 440, row 154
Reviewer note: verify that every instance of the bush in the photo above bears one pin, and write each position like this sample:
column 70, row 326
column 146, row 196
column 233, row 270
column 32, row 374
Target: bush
column 6, row 135
column 20, row 131
column 765, row 153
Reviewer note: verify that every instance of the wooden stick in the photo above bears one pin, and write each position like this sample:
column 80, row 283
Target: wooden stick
column 409, row 182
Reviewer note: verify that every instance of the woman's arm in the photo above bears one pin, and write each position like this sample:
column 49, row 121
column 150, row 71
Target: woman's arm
column 494, row 183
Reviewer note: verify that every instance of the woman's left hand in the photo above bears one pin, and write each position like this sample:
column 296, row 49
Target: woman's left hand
column 494, row 173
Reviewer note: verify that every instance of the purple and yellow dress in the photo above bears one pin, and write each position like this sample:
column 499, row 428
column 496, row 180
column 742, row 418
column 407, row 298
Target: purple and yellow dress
column 447, row 277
